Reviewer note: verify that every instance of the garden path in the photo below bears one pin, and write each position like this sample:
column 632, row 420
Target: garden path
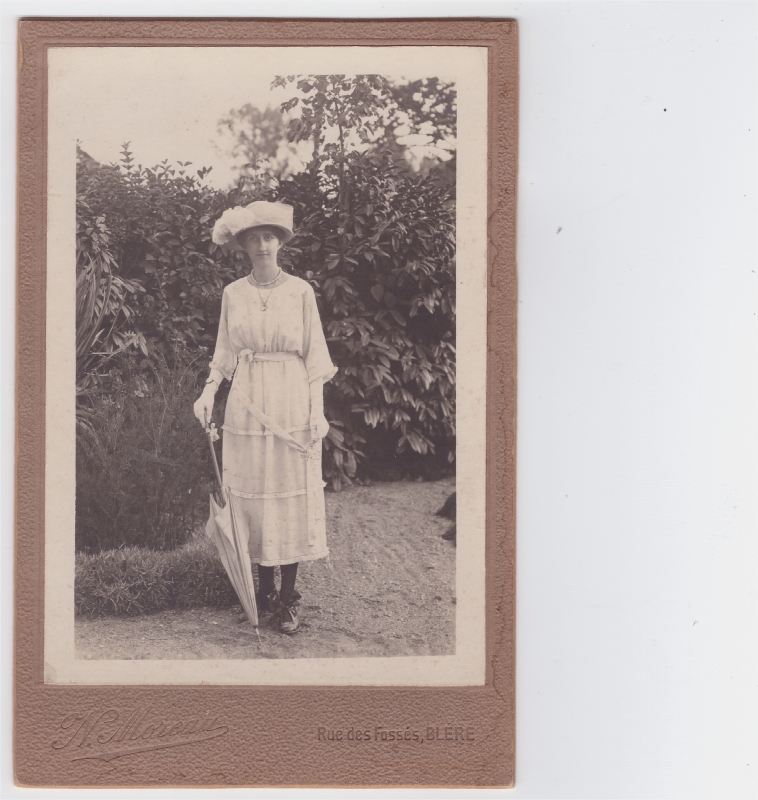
column 390, row 592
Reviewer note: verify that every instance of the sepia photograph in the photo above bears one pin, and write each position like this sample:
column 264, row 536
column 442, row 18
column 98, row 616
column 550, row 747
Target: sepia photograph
column 307, row 298
column 265, row 431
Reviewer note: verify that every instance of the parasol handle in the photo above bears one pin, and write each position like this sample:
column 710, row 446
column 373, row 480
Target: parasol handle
column 209, row 431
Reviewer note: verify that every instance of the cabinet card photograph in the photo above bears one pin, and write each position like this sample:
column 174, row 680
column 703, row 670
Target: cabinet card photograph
column 271, row 461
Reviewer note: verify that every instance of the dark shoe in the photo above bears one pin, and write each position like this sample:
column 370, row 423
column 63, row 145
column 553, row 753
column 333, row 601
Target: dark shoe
column 261, row 603
column 284, row 610
column 288, row 621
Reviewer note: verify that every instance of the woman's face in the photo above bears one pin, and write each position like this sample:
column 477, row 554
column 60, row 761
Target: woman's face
column 262, row 244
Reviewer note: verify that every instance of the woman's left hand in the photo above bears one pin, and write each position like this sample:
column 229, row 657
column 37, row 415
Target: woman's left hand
column 322, row 428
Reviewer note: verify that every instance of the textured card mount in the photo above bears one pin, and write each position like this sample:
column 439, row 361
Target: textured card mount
column 86, row 729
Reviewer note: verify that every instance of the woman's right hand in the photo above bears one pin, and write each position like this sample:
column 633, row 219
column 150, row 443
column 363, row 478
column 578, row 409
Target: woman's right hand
column 203, row 407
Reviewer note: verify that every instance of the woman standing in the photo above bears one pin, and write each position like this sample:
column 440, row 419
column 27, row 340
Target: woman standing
column 271, row 346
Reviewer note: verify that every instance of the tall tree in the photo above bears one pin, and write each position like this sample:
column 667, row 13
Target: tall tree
column 415, row 121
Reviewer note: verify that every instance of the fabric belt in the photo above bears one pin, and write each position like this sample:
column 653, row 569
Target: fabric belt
column 313, row 476
column 282, row 355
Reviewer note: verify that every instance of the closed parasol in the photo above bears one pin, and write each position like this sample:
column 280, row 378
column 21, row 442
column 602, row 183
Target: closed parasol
column 222, row 528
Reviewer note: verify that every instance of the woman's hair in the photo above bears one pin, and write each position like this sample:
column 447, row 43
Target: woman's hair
column 241, row 236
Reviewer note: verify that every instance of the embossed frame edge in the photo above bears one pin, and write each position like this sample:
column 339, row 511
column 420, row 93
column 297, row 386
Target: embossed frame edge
column 38, row 708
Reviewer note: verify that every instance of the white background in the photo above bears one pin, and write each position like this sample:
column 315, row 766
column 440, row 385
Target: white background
column 637, row 632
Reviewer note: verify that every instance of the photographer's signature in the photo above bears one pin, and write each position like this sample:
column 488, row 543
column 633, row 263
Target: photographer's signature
column 109, row 734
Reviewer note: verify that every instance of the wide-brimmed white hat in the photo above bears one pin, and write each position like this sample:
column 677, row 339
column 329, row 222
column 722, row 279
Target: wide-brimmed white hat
column 241, row 218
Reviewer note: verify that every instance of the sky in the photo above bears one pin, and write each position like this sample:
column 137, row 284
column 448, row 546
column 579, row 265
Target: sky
column 169, row 107
column 162, row 119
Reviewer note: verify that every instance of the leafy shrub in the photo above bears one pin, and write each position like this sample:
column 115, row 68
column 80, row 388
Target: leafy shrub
column 136, row 580
column 375, row 239
column 378, row 244
column 103, row 310
column 383, row 271
column 160, row 221
column 143, row 469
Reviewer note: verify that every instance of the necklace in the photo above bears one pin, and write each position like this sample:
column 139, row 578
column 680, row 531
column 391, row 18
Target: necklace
column 264, row 301
column 268, row 283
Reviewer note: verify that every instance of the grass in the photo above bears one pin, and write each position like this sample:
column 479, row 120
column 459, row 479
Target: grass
column 135, row 580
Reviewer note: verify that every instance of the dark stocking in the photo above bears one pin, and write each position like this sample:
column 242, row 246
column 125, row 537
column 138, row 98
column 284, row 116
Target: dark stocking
column 266, row 583
column 289, row 574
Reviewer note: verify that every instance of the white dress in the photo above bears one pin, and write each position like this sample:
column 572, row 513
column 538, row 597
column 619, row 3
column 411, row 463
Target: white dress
column 277, row 358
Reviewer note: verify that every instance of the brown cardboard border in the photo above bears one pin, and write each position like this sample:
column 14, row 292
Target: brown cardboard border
column 285, row 752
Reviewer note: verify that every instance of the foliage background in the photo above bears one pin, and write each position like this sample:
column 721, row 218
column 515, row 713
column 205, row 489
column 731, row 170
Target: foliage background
column 370, row 168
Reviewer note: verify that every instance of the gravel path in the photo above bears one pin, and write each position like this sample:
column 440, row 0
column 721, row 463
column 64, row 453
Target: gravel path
column 390, row 592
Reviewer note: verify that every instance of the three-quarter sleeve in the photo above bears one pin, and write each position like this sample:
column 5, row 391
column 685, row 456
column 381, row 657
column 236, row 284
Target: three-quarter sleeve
column 315, row 352
column 224, row 359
